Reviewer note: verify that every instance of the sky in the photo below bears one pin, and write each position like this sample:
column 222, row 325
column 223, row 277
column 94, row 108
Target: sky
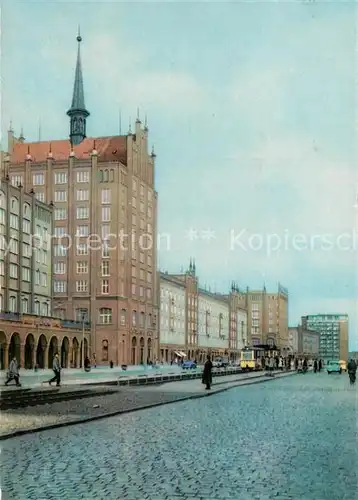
column 251, row 108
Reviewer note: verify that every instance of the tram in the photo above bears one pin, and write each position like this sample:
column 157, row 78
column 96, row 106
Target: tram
column 252, row 357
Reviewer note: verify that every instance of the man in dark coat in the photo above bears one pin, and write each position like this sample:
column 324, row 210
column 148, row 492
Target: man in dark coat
column 315, row 366
column 207, row 375
column 319, row 365
column 56, row 367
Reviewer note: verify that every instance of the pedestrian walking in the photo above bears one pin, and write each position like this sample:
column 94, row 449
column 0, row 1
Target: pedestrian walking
column 13, row 372
column 315, row 366
column 319, row 365
column 56, row 367
column 207, row 373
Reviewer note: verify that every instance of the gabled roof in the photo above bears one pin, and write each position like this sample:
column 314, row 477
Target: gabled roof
column 113, row 148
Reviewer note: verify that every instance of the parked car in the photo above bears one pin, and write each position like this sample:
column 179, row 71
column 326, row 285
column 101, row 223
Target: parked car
column 334, row 366
column 189, row 365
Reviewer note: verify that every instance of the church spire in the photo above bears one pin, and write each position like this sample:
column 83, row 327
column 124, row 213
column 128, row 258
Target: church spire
column 78, row 112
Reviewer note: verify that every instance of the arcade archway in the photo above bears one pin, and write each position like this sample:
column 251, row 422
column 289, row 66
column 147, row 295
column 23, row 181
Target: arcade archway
column 64, row 352
column 134, row 351
column 3, row 345
column 75, row 352
column 29, row 351
column 141, row 344
column 41, row 351
column 14, row 347
column 52, row 350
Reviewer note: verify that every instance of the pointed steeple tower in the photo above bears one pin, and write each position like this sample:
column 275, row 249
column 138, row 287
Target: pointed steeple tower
column 78, row 112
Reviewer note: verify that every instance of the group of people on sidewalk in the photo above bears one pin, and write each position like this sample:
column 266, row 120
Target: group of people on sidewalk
column 13, row 372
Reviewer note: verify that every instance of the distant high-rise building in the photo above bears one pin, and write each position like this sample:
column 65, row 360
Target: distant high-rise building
column 333, row 334
column 105, row 227
column 267, row 316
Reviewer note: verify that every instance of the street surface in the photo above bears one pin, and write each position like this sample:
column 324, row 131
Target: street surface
column 292, row 438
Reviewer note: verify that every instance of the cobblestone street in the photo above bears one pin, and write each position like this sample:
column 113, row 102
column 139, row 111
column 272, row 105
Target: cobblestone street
column 293, row 438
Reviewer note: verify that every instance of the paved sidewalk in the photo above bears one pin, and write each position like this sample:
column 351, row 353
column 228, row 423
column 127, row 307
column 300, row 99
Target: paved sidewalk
column 126, row 399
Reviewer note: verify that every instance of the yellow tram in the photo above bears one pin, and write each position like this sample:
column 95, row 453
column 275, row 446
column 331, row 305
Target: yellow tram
column 251, row 358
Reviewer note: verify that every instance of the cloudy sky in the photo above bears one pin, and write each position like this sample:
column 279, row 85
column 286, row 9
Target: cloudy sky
column 251, row 108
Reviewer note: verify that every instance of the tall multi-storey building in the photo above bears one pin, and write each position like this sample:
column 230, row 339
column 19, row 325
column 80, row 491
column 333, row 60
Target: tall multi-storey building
column 105, row 226
column 27, row 329
column 267, row 317
column 25, row 251
column 333, row 334
column 173, row 314
column 213, row 323
column 195, row 322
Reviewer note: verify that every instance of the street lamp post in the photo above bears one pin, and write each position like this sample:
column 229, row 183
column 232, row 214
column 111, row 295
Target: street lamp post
column 83, row 341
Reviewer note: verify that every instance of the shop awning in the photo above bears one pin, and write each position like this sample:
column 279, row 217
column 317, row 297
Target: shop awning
column 177, row 354
column 182, row 354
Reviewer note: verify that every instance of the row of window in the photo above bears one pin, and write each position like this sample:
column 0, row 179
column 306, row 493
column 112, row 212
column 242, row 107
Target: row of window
column 82, row 249
column 105, row 317
column 83, row 286
column 82, row 267
column 39, row 308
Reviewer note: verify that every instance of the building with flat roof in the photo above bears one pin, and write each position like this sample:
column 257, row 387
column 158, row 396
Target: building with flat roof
column 303, row 342
column 333, row 334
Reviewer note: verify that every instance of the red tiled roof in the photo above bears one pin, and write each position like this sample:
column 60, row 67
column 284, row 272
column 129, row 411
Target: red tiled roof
column 112, row 148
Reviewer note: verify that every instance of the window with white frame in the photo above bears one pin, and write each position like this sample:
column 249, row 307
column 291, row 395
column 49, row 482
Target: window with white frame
column 16, row 180
column 61, row 195
column 60, row 214
column 105, row 268
column 37, row 307
column 40, row 196
column 82, row 267
column 105, row 231
column 106, row 196
column 26, row 274
column 82, row 176
column 26, row 226
column 37, row 277
column 59, row 251
column 60, row 177
column 12, row 303
column 14, row 271
column 106, row 214
column 59, row 286
column 60, row 267
column 43, row 279
column 82, row 212
column 38, row 179
column 82, row 230
column 81, row 286
column 105, row 287
column 14, row 221
column 105, row 315
column 60, row 231
column 149, row 211
column 105, row 251
column 82, row 249
column 149, row 195
column 24, row 305
column 82, row 195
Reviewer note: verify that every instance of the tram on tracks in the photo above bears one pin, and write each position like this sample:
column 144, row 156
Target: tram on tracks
column 251, row 358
